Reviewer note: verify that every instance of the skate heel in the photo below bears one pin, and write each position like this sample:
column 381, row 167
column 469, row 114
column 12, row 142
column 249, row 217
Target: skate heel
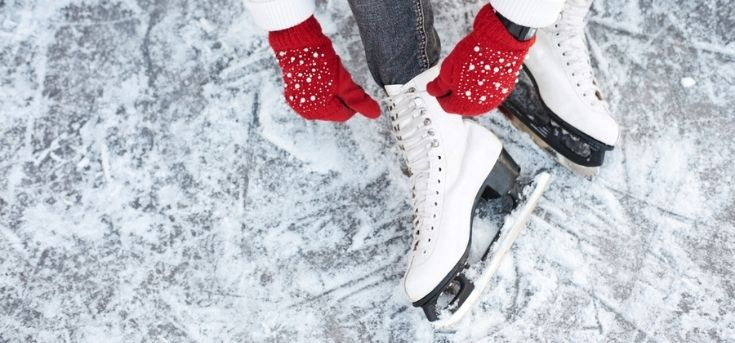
column 502, row 181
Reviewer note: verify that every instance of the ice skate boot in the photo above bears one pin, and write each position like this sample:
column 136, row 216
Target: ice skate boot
column 557, row 99
column 452, row 163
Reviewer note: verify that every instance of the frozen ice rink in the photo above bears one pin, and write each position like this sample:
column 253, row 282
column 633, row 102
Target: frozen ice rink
column 154, row 186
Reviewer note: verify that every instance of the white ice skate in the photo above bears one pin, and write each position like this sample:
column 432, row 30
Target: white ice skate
column 452, row 162
column 558, row 101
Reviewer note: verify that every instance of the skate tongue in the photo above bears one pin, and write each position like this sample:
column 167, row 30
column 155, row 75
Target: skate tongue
column 419, row 82
column 393, row 90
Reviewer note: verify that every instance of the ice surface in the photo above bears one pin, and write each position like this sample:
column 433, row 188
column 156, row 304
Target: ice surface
column 154, row 186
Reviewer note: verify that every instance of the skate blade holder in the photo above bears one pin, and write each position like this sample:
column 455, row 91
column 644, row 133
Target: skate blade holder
column 530, row 195
column 505, row 182
column 449, row 298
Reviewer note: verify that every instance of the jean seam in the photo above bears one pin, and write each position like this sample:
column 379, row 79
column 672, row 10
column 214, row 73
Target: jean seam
column 421, row 30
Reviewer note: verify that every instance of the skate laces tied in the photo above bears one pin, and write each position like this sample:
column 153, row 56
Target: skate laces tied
column 571, row 38
column 414, row 134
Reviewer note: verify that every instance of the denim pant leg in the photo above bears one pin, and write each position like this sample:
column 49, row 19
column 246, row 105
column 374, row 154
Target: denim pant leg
column 398, row 36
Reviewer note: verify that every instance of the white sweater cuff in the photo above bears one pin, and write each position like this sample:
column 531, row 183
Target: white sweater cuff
column 275, row 15
column 529, row 13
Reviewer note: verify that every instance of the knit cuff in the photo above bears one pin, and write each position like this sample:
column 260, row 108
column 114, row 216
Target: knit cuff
column 529, row 13
column 488, row 24
column 307, row 34
column 274, row 15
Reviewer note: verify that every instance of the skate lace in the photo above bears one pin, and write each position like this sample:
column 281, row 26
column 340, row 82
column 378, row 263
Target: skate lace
column 569, row 32
column 412, row 129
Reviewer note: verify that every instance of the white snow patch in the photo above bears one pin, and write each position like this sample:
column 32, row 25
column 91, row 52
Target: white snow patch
column 688, row 82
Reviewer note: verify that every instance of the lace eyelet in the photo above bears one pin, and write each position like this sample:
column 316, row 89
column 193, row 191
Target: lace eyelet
column 427, row 122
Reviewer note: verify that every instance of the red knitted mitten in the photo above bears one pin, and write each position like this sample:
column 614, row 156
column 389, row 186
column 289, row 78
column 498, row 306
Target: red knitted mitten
column 482, row 69
column 317, row 86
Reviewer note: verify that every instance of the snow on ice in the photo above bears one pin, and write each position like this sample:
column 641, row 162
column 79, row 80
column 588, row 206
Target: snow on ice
column 154, row 186
column 688, row 82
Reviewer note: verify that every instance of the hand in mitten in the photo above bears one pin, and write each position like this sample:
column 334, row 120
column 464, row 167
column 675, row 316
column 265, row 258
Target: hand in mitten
column 317, row 86
column 482, row 69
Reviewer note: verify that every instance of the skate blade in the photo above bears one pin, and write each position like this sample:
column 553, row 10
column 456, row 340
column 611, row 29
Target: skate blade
column 588, row 172
column 514, row 224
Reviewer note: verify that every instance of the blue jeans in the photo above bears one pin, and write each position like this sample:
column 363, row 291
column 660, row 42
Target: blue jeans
column 398, row 36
